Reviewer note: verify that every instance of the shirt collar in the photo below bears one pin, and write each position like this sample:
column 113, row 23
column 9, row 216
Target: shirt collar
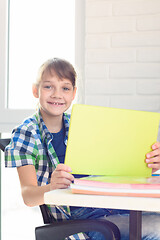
column 44, row 130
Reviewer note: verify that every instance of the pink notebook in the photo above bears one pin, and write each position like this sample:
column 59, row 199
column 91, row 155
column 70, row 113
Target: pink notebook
column 118, row 186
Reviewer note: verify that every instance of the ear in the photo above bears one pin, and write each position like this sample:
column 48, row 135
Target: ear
column 74, row 92
column 35, row 91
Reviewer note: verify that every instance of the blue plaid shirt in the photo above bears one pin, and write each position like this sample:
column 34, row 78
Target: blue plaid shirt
column 31, row 145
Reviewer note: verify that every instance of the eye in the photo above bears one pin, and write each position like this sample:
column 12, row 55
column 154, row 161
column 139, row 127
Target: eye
column 66, row 89
column 47, row 87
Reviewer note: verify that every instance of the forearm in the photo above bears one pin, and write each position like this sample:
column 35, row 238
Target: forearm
column 34, row 195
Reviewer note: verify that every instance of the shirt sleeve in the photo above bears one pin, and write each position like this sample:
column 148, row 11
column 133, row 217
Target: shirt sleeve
column 22, row 149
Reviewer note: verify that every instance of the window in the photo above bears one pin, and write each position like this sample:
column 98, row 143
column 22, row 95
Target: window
column 31, row 32
column 38, row 30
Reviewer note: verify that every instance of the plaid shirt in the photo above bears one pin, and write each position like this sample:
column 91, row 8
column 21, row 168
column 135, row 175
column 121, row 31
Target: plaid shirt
column 31, row 145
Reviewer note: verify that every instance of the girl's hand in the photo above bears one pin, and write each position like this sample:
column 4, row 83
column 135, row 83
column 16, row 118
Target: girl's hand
column 153, row 157
column 61, row 177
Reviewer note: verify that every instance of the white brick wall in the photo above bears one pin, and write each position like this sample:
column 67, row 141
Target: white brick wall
column 122, row 54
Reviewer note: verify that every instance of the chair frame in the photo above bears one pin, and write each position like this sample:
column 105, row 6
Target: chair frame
column 60, row 230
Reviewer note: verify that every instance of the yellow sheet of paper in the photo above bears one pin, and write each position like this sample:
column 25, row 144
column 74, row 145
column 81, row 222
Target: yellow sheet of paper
column 110, row 141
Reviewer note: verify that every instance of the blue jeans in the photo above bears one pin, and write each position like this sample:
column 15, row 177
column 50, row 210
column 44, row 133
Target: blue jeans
column 121, row 219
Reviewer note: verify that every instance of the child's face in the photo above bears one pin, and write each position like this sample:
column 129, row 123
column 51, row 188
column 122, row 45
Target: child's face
column 55, row 95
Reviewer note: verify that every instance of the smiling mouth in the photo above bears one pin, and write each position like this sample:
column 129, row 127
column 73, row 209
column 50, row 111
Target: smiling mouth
column 56, row 103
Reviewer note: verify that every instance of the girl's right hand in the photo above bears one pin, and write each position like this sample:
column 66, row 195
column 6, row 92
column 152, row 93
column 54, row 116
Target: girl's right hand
column 61, row 177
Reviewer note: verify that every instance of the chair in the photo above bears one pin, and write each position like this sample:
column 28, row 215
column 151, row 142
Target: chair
column 60, row 230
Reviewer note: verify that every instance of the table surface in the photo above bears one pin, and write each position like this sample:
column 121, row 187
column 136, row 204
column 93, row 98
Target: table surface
column 66, row 197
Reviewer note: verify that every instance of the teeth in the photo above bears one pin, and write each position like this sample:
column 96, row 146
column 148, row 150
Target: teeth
column 57, row 103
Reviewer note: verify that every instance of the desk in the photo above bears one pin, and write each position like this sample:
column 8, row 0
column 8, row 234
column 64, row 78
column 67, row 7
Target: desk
column 135, row 204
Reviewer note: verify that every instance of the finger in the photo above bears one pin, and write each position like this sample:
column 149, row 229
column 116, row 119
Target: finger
column 59, row 186
column 63, row 181
column 60, row 183
column 62, row 186
column 154, row 166
column 156, row 145
column 63, row 167
column 153, row 160
column 62, row 174
column 153, row 153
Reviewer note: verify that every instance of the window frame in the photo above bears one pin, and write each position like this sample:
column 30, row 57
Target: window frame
column 12, row 117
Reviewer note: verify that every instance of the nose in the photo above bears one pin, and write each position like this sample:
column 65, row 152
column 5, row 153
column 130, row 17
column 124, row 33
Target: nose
column 56, row 93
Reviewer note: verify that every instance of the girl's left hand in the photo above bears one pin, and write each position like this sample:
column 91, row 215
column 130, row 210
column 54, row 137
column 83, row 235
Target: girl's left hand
column 153, row 157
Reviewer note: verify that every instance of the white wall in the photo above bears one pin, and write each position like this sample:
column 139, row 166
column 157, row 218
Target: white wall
column 122, row 54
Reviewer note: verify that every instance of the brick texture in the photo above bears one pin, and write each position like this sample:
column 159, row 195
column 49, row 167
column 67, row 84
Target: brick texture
column 122, row 54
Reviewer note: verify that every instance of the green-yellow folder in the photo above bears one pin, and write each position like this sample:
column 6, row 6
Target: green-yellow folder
column 110, row 141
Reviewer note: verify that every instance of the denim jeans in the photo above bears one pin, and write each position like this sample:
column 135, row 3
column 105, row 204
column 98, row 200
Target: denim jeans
column 150, row 222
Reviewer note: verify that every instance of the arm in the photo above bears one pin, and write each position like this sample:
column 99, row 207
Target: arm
column 153, row 157
column 33, row 194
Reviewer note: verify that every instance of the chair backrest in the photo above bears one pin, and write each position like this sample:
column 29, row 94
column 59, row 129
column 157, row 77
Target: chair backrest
column 4, row 142
column 44, row 209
